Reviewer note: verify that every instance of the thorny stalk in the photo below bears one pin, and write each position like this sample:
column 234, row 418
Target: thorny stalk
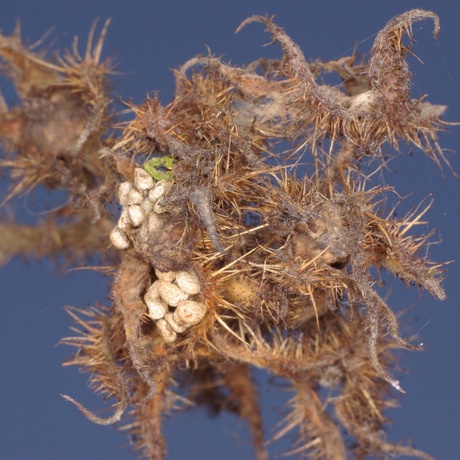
column 228, row 254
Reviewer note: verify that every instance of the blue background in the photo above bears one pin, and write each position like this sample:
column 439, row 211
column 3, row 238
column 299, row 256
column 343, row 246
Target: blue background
column 149, row 38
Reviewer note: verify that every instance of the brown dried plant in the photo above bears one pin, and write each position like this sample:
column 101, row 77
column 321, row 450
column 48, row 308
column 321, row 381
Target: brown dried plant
column 231, row 253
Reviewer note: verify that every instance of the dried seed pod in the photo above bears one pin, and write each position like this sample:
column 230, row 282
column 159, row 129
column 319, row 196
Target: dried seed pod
column 127, row 194
column 170, row 293
column 143, row 180
column 153, row 290
column 119, row 239
column 124, row 222
column 134, row 197
column 189, row 312
column 242, row 291
column 166, row 331
column 160, row 189
column 188, row 282
column 166, row 276
column 156, row 305
column 136, row 215
column 123, row 191
column 179, row 328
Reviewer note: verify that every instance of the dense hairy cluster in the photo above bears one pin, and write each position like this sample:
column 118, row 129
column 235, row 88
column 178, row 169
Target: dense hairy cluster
column 232, row 253
column 54, row 139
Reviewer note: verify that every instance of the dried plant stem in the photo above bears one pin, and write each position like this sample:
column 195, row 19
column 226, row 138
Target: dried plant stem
column 228, row 253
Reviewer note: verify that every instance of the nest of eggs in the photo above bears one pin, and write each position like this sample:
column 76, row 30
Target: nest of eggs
column 172, row 300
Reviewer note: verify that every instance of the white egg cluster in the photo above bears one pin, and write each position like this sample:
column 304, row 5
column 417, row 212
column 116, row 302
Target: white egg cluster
column 138, row 200
column 170, row 303
column 171, row 299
